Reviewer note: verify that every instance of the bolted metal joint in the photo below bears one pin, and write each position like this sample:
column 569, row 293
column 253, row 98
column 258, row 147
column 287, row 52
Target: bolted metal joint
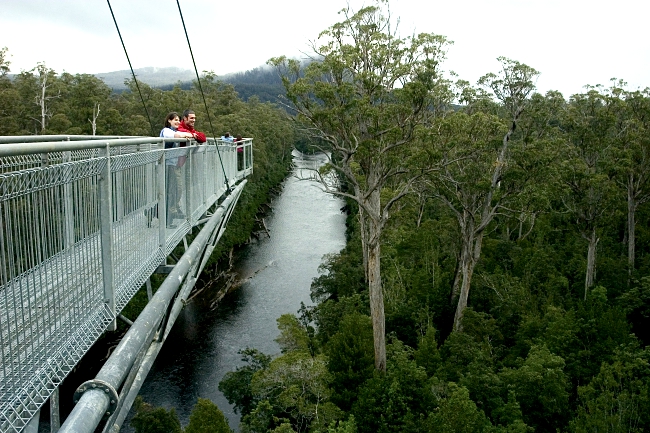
column 102, row 386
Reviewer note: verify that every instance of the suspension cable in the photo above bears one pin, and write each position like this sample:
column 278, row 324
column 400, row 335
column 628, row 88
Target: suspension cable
column 132, row 72
column 198, row 79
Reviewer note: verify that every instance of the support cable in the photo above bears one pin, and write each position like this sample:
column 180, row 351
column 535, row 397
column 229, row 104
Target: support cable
column 198, row 79
column 132, row 72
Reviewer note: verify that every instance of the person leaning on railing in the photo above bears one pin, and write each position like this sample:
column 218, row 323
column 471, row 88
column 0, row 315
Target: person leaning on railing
column 187, row 125
column 172, row 172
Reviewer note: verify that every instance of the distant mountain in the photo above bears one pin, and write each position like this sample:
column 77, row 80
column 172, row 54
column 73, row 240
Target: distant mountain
column 155, row 77
column 262, row 82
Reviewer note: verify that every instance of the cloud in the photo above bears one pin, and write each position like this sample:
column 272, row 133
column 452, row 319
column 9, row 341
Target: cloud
column 571, row 42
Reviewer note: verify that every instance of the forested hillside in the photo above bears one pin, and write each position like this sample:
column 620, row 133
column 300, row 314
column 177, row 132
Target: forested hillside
column 261, row 82
column 497, row 274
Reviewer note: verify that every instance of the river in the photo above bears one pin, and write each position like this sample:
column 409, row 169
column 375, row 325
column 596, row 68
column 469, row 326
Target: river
column 305, row 223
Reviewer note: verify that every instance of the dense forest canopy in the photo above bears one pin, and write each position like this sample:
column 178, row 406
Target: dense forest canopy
column 496, row 276
column 497, row 272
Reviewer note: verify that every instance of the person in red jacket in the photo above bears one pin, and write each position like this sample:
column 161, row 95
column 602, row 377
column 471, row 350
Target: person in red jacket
column 187, row 125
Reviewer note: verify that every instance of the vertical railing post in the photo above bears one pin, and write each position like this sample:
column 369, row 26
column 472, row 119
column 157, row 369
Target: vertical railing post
column 250, row 155
column 119, row 193
column 233, row 162
column 55, row 418
column 106, row 229
column 215, row 163
column 200, row 174
column 149, row 185
column 161, row 190
column 149, row 289
column 188, row 184
column 68, row 207
column 229, row 162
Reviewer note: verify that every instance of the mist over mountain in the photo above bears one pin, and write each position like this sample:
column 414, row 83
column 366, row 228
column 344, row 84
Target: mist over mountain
column 262, row 82
column 155, row 77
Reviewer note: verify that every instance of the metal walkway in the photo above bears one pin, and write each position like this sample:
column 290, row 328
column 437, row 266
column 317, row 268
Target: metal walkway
column 82, row 228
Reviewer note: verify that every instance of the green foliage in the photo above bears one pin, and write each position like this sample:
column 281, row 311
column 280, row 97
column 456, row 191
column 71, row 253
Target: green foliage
column 207, row 418
column 348, row 426
column 329, row 314
column 342, row 274
column 297, row 387
column 457, row 413
column 4, row 62
column 293, row 336
column 148, row 419
column 284, row 428
column 393, row 401
column 350, row 358
column 636, row 304
column 617, row 399
column 291, row 391
column 259, row 420
column 541, row 388
column 427, row 354
column 470, row 360
column 236, row 385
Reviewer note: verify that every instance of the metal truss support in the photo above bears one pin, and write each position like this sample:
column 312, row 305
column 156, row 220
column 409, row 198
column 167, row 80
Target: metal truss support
column 126, row 368
column 93, row 210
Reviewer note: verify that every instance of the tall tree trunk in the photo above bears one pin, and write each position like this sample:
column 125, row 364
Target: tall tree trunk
column 373, row 246
column 591, row 261
column 631, row 235
column 421, row 211
column 467, row 271
column 364, row 242
column 42, row 102
column 464, row 250
column 377, row 306
column 458, row 276
column 471, row 253
column 93, row 122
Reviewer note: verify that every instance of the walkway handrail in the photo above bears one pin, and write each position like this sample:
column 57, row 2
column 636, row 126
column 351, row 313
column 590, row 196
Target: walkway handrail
column 83, row 224
column 61, row 137
column 20, row 148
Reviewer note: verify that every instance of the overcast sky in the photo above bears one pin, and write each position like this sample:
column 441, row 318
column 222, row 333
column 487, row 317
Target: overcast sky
column 571, row 42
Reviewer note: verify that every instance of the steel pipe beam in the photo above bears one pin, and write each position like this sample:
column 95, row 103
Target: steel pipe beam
column 93, row 404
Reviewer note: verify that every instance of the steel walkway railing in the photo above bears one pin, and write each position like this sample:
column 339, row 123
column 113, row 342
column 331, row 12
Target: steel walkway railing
column 83, row 225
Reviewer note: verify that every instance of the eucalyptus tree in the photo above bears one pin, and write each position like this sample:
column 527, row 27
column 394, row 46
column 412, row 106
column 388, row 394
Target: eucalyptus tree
column 4, row 62
column 38, row 89
column 87, row 98
column 589, row 190
column 46, row 79
column 9, row 98
column 631, row 137
column 478, row 175
column 363, row 97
